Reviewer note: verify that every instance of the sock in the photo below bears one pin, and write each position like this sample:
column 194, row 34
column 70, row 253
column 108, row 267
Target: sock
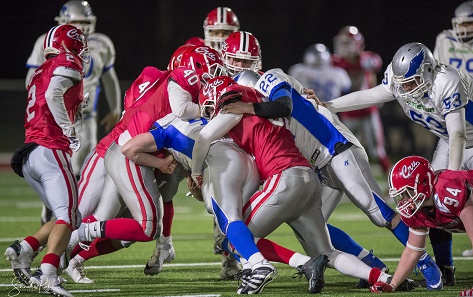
column 30, row 243
column 241, row 239
column 442, row 246
column 401, row 231
column 167, row 218
column 343, row 242
column 298, row 260
column 255, row 258
column 123, row 229
column 51, row 259
column 374, row 275
column 274, row 252
column 100, row 246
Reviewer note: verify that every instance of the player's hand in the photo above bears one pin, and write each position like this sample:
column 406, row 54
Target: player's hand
column 74, row 142
column 197, row 178
column 168, row 164
column 239, row 108
column 86, row 101
column 194, row 190
column 382, row 287
column 110, row 120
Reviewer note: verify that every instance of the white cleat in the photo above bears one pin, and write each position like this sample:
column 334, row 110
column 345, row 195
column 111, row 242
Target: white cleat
column 467, row 253
column 50, row 285
column 77, row 272
column 20, row 261
column 164, row 252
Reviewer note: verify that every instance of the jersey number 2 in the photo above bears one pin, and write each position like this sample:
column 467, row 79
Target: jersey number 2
column 31, row 101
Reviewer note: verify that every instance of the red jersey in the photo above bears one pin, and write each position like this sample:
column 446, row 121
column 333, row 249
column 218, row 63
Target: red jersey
column 452, row 191
column 40, row 125
column 152, row 106
column 146, row 80
column 272, row 146
column 361, row 72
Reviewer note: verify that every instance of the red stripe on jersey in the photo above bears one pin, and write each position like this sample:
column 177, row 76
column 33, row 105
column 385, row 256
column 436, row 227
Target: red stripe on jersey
column 261, row 197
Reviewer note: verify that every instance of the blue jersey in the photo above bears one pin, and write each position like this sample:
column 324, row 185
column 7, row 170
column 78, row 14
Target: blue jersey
column 316, row 130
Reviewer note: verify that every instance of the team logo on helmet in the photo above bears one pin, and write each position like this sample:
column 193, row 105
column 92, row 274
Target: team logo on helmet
column 209, row 87
column 74, row 34
column 205, row 51
column 408, row 170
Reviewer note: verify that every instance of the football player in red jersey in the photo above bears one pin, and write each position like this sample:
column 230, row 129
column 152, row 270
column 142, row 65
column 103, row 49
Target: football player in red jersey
column 362, row 67
column 428, row 200
column 55, row 97
column 285, row 174
column 176, row 92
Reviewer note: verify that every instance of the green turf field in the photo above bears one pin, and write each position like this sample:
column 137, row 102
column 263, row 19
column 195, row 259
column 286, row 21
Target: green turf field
column 195, row 271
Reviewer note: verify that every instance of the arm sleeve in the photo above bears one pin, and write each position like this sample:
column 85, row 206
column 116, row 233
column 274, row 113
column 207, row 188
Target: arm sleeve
column 279, row 106
column 214, row 130
column 55, row 100
column 112, row 90
column 181, row 102
column 456, row 128
column 360, row 99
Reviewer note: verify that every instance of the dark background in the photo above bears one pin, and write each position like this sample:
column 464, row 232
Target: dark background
column 147, row 33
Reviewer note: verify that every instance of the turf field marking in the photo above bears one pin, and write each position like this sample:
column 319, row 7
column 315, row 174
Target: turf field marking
column 94, row 291
column 206, row 295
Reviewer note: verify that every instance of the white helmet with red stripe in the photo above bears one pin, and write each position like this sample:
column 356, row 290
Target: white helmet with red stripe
column 240, row 51
column 218, row 24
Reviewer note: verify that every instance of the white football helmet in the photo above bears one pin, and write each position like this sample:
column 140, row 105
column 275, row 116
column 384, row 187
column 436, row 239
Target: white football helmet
column 77, row 13
column 413, row 67
column 317, row 55
column 463, row 14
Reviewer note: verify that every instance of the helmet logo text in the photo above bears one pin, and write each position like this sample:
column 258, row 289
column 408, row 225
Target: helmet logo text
column 407, row 170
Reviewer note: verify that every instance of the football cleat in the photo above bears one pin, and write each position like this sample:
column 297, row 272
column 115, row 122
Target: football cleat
column 76, row 271
column 467, row 292
column 314, row 272
column 20, row 262
column 260, row 276
column 51, row 285
column 243, row 276
column 230, row 267
column 448, row 275
column 164, row 252
column 431, row 272
column 467, row 253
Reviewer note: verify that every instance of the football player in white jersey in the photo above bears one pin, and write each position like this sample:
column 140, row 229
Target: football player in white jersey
column 99, row 71
column 334, row 152
column 454, row 47
column 433, row 95
column 317, row 73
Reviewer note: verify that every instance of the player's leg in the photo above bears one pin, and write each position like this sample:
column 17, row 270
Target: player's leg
column 87, row 128
column 168, row 185
column 60, row 189
column 374, row 132
column 138, row 189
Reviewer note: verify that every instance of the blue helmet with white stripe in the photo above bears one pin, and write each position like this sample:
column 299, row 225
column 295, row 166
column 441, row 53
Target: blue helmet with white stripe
column 413, row 68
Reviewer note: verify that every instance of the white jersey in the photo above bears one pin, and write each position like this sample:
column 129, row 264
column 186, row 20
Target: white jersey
column 448, row 50
column 316, row 129
column 327, row 82
column 451, row 90
column 102, row 54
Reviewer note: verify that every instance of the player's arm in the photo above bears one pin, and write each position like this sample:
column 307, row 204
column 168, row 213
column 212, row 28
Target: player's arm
column 456, row 128
column 466, row 215
column 58, row 86
column 413, row 251
column 360, row 99
column 181, row 102
column 215, row 129
column 279, row 107
column 138, row 148
column 112, row 94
